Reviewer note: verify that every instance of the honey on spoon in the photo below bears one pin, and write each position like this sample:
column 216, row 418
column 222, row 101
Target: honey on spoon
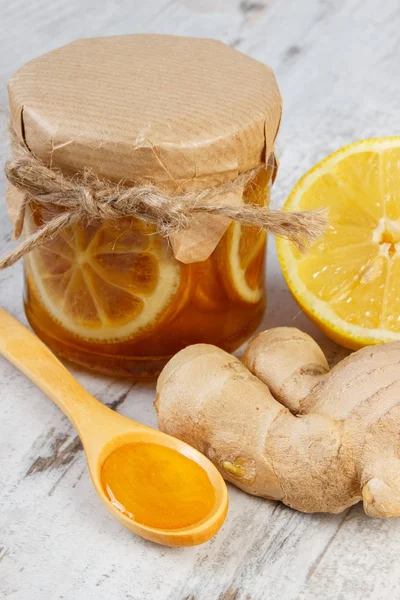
column 144, row 480
column 157, row 486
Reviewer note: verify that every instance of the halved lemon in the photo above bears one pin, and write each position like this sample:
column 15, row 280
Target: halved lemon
column 108, row 283
column 241, row 254
column 349, row 282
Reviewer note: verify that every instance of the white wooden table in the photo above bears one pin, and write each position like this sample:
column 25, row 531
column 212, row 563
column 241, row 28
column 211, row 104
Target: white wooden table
column 338, row 65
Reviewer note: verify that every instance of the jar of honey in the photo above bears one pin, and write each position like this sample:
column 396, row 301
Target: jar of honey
column 180, row 114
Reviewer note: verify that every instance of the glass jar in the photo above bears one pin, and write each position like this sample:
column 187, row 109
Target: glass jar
column 184, row 117
column 113, row 298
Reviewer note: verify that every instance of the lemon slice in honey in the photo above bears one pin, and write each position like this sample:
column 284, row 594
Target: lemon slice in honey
column 108, row 283
column 245, row 263
column 242, row 249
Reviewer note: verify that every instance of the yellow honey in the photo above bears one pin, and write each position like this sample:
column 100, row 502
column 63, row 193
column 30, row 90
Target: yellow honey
column 157, row 486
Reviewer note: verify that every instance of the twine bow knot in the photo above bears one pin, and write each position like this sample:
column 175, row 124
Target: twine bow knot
column 87, row 197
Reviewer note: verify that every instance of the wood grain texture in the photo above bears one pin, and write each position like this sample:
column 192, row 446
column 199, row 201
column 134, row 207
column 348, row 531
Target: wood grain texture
column 337, row 63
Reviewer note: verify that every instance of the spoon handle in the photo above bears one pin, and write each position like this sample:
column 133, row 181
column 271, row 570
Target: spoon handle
column 25, row 351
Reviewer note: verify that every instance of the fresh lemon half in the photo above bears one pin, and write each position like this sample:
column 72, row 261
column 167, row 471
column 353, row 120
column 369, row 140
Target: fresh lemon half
column 349, row 281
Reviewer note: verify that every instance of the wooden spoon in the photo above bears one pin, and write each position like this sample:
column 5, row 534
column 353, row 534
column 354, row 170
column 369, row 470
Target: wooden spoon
column 102, row 431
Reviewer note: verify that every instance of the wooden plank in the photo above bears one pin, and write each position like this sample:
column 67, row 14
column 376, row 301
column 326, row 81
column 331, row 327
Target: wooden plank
column 337, row 64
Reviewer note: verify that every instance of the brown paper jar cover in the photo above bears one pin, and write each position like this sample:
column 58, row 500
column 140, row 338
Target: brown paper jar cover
column 181, row 112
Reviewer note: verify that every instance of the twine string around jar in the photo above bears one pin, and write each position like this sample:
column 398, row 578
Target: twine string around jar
column 87, row 197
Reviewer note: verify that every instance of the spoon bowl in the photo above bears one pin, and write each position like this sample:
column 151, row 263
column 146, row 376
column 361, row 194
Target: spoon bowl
column 103, row 431
column 186, row 536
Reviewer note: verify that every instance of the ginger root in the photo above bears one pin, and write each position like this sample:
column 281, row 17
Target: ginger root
column 282, row 426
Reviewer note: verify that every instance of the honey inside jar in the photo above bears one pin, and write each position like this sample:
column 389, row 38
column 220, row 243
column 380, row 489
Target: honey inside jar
column 157, row 486
column 113, row 298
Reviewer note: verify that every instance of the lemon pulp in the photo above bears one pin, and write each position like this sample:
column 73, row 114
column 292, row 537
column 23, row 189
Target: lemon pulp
column 349, row 282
